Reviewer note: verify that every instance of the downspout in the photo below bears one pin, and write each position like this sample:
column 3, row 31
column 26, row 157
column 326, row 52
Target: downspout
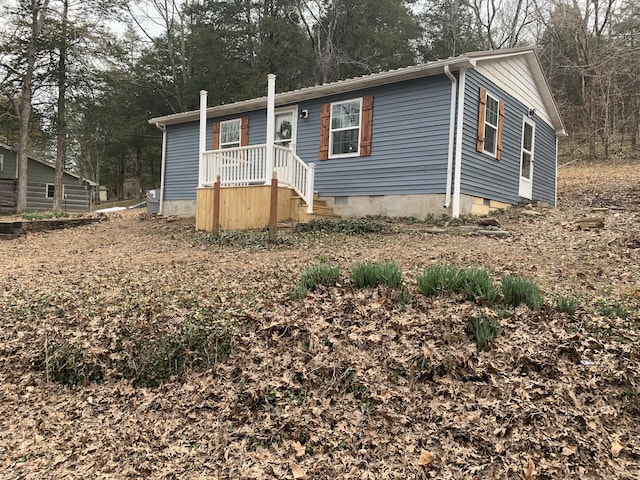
column 455, row 211
column 202, row 143
column 271, row 120
column 164, row 157
column 452, row 120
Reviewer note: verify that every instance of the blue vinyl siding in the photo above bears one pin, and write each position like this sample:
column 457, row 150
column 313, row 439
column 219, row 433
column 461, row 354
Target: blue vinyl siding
column 408, row 142
column 408, row 148
column 181, row 164
column 181, row 168
column 485, row 176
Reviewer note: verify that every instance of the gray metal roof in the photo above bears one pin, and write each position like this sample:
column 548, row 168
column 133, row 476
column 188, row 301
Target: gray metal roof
column 467, row 61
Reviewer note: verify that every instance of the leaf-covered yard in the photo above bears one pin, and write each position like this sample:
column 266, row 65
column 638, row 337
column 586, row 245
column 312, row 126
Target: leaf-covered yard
column 138, row 348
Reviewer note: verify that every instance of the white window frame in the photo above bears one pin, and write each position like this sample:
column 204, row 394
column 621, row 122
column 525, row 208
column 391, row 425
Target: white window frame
column 332, row 130
column 1, row 162
column 53, row 185
column 493, row 153
column 527, row 121
column 234, row 144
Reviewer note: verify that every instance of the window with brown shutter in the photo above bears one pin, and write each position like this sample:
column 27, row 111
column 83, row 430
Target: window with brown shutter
column 367, row 126
column 345, row 128
column 325, row 118
column 490, row 124
column 230, row 133
column 481, row 115
column 216, row 136
column 244, row 131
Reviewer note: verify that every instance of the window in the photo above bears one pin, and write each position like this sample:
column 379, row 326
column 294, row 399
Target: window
column 1, row 162
column 490, row 120
column 346, row 128
column 50, row 190
column 231, row 133
column 527, row 150
column 491, row 125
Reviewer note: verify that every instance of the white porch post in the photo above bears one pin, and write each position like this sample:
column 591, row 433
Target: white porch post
column 271, row 119
column 311, row 173
column 203, row 138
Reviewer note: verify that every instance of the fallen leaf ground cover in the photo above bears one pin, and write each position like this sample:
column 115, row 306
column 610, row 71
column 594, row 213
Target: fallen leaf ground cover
column 139, row 348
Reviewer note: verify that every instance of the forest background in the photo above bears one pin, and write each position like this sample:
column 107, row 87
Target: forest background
column 80, row 78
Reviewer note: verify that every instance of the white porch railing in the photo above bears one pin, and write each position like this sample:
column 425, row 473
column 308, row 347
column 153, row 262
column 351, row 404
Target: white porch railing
column 244, row 166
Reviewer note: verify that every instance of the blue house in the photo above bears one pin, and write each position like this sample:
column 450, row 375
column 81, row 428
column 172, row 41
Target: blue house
column 467, row 134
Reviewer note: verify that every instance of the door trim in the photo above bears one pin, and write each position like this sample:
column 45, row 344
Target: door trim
column 294, row 128
column 525, row 184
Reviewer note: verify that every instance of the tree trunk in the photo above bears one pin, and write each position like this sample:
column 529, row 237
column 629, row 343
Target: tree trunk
column 38, row 13
column 61, row 122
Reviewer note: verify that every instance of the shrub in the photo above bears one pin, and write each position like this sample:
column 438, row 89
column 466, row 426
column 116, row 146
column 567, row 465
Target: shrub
column 566, row 304
column 521, row 290
column 370, row 274
column 65, row 363
column 439, row 279
column 350, row 226
column 327, row 275
column 484, row 330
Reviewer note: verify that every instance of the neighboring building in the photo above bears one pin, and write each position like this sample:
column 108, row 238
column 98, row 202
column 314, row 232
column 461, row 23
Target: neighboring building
column 77, row 193
column 464, row 135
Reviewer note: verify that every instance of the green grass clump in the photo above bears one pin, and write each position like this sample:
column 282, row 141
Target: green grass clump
column 477, row 285
column 445, row 279
column 327, row 275
column 566, row 304
column 484, row 330
column 521, row 290
column 371, row 274
column 438, row 279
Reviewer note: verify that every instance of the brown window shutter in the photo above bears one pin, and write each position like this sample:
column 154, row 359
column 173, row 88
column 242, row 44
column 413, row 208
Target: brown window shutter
column 244, row 131
column 367, row 126
column 325, row 118
column 481, row 116
column 499, row 139
column 216, row 136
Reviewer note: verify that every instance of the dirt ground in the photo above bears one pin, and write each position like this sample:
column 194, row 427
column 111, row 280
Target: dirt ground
column 343, row 383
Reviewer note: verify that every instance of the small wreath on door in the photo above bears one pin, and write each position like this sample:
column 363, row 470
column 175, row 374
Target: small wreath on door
column 284, row 133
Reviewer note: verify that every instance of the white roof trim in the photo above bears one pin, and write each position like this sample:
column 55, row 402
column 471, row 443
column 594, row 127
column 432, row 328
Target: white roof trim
column 326, row 89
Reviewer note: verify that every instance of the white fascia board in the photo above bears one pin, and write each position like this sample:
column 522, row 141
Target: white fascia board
column 324, row 90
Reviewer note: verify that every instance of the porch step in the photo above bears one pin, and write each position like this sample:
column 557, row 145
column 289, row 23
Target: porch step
column 320, row 207
column 323, row 211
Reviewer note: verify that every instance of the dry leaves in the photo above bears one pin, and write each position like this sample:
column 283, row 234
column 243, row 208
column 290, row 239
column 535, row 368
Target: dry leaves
column 341, row 384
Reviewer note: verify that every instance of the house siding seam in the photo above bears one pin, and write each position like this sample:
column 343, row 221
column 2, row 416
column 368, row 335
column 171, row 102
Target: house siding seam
column 485, row 176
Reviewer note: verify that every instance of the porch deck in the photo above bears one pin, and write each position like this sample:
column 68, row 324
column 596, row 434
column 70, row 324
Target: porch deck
column 246, row 196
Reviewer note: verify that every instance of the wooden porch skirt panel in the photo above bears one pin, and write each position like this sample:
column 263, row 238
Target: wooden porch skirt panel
column 241, row 208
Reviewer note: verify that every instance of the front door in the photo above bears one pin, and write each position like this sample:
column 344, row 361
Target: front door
column 526, row 158
column 285, row 127
column 284, row 135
